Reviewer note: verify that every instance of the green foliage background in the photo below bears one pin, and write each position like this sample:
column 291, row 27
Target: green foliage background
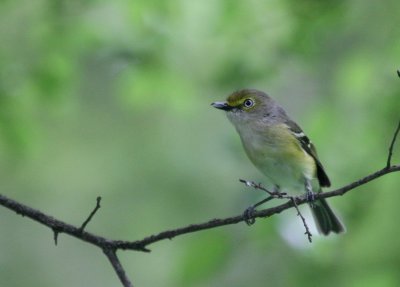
column 112, row 98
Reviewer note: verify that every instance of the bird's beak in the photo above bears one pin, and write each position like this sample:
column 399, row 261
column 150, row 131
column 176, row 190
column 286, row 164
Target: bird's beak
column 222, row 106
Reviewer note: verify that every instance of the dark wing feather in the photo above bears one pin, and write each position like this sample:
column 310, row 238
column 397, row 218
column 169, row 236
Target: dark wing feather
column 307, row 145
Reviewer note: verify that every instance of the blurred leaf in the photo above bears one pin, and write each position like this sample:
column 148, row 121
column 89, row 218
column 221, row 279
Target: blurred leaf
column 204, row 257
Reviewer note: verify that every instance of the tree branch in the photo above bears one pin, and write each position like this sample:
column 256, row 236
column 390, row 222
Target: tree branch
column 97, row 207
column 110, row 247
column 307, row 232
column 388, row 164
column 169, row 234
column 116, row 264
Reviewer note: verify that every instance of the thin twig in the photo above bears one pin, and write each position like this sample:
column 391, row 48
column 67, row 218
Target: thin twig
column 116, row 264
column 307, row 232
column 279, row 195
column 97, row 207
column 274, row 194
column 389, row 159
column 55, row 235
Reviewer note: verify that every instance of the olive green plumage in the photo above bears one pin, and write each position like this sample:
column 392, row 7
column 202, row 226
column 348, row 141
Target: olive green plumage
column 278, row 147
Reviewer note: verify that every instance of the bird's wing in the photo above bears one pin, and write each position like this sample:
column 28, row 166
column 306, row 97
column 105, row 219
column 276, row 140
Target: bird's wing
column 308, row 146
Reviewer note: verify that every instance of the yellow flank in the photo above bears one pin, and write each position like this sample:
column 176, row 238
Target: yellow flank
column 278, row 154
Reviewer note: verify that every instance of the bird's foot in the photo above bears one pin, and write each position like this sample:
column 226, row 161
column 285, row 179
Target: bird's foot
column 248, row 215
column 310, row 197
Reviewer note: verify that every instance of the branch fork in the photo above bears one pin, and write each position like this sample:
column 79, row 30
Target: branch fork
column 275, row 195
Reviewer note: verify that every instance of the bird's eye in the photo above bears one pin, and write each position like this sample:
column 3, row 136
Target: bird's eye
column 248, row 103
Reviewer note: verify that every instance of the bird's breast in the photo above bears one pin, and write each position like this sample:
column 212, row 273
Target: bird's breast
column 279, row 156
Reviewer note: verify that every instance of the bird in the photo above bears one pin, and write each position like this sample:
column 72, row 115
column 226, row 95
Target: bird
column 280, row 150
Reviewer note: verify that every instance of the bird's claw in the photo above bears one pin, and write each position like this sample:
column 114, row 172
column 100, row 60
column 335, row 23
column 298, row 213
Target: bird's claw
column 247, row 215
column 310, row 197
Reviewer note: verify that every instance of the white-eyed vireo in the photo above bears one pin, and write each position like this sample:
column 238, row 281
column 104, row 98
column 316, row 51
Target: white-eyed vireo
column 278, row 147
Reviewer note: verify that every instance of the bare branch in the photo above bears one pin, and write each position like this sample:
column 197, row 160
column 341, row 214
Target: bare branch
column 116, row 264
column 307, row 232
column 97, row 207
column 388, row 164
column 110, row 246
column 169, row 234
column 274, row 194
column 141, row 245
column 55, row 235
column 56, row 225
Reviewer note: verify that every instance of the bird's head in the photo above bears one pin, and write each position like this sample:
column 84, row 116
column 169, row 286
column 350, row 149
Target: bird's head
column 247, row 105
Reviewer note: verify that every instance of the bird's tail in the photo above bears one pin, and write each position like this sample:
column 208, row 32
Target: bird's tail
column 325, row 219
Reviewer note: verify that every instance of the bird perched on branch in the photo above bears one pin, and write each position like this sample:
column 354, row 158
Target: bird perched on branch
column 278, row 147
